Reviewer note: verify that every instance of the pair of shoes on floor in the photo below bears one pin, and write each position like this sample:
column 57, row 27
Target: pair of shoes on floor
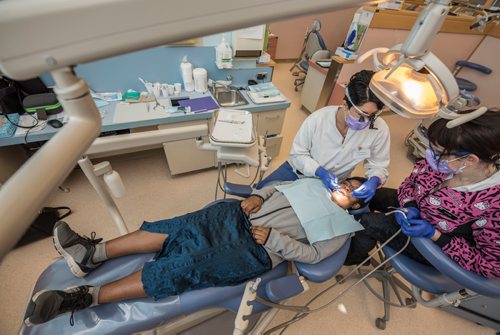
column 78, row 252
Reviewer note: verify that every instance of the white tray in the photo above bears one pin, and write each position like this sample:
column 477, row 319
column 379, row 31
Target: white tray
column 260, row 100
column 233, row 128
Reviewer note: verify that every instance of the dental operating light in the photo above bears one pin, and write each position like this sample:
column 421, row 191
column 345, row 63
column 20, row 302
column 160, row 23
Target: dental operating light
column 411, row 80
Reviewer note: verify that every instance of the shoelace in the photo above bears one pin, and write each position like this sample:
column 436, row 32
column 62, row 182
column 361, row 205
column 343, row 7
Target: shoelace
column 92, row 240
column 75, row 301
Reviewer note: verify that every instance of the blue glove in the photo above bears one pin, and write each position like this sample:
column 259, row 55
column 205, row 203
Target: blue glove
column 411, row 214
column 401, row 219
column 330, row 180
column 367, row 190
column 418, row 228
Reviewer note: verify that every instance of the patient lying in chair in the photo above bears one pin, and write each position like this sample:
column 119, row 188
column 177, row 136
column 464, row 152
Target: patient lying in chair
column 223, row 244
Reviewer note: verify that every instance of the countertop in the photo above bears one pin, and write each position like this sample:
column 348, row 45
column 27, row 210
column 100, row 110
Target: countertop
column 108, row 117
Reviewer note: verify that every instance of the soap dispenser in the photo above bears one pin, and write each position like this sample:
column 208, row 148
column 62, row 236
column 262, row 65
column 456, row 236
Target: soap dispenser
column 224, row 55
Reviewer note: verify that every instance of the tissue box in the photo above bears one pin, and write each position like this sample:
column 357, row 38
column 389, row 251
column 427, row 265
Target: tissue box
column 346, row 54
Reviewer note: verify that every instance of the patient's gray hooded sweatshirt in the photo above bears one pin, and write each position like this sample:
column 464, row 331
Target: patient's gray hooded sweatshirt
column 287, row 240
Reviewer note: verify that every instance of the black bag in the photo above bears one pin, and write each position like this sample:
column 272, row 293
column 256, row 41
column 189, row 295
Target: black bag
column 43, row 225
column 13, row 92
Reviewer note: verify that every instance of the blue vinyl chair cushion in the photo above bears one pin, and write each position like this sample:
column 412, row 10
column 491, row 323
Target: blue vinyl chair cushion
column 423, row 276
column 325, row 269
column 466, row 279
column 135, row 315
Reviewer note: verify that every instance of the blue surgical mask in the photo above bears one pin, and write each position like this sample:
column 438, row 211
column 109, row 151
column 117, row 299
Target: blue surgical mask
column 442, row 165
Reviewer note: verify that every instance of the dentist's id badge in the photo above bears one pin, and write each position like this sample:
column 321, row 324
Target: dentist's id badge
column 361, row 154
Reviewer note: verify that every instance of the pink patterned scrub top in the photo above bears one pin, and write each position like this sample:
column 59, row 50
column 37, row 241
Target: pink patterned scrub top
column 468, row 216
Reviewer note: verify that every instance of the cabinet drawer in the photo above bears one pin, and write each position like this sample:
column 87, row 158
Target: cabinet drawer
column 273, row 146
column 183, row 156
column 182, row 124
column 270, row 122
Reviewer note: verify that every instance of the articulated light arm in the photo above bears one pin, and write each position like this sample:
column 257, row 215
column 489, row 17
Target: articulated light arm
column 411, row 80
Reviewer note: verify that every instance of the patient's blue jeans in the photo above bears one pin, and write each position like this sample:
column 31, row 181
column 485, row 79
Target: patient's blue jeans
column 210, row 247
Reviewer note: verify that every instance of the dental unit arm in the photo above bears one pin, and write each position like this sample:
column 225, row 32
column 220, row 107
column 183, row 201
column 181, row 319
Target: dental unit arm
column 72, row 32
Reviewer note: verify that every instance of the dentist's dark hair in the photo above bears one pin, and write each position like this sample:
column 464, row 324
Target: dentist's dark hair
column 480, row 136
column 359, row 92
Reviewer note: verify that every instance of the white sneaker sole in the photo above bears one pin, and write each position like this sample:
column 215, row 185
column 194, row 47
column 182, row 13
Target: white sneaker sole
column 73, row 266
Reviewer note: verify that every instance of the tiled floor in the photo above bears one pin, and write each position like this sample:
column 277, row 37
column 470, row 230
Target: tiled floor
column 153, row 194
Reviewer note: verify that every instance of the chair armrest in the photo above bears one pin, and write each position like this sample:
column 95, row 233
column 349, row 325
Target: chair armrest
column 441, row 261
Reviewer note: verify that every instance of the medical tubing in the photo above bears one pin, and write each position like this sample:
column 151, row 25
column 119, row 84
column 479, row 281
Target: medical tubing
column 378, row 296
column 368, row 286
column 308, row 311
column 298, row 317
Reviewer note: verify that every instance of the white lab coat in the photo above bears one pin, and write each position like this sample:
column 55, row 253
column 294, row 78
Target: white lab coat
column 319, row 143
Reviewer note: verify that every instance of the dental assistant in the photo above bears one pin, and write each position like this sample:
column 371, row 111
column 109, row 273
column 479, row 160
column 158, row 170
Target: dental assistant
column 451, row 197
column 334, row 139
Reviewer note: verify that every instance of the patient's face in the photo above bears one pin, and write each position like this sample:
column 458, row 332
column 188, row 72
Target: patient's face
column 343, row 197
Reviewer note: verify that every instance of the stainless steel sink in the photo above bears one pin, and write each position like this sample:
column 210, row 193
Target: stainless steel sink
column 230, row 97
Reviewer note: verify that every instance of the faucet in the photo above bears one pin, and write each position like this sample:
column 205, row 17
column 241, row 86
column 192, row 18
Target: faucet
column 213, row 84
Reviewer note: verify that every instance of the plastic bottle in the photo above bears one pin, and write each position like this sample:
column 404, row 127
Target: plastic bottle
column 200, row 80
column 227, row 56
column 187, row 74
column 224, row 55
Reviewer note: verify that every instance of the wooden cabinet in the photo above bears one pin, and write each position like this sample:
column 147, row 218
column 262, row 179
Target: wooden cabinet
column 183, row 155
column 269, row 122
column 272, row 45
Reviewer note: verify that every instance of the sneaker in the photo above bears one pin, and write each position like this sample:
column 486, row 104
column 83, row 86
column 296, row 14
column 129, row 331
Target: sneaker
column 76, row 250
column 47, row 305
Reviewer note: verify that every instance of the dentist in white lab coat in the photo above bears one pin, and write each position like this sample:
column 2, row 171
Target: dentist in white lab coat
column 334, row 139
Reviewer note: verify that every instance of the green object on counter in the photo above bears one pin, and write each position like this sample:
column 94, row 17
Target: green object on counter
column 131, row 95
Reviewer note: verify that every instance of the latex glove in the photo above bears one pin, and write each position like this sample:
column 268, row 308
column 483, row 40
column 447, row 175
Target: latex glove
column 367, row 190
column 418, row 228
column 330, row 180
column 411, row 214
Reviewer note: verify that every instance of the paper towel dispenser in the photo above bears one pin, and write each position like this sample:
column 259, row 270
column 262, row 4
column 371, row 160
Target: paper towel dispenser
column 248, row 43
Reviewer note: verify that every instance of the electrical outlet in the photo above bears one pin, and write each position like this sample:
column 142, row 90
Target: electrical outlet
column 261, row 75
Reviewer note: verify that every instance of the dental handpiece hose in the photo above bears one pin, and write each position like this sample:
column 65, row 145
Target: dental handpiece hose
column 303, row 311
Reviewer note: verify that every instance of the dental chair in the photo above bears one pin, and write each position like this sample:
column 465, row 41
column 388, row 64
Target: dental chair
column 313, row 48
column 181, row 312
column 453, row 288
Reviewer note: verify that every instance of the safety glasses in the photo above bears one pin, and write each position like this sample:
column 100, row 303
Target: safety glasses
column 437, row 155
column 362, row 114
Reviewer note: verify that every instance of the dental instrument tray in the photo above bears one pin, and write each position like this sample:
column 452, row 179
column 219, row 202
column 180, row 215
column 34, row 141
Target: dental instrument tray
column 233, row 128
